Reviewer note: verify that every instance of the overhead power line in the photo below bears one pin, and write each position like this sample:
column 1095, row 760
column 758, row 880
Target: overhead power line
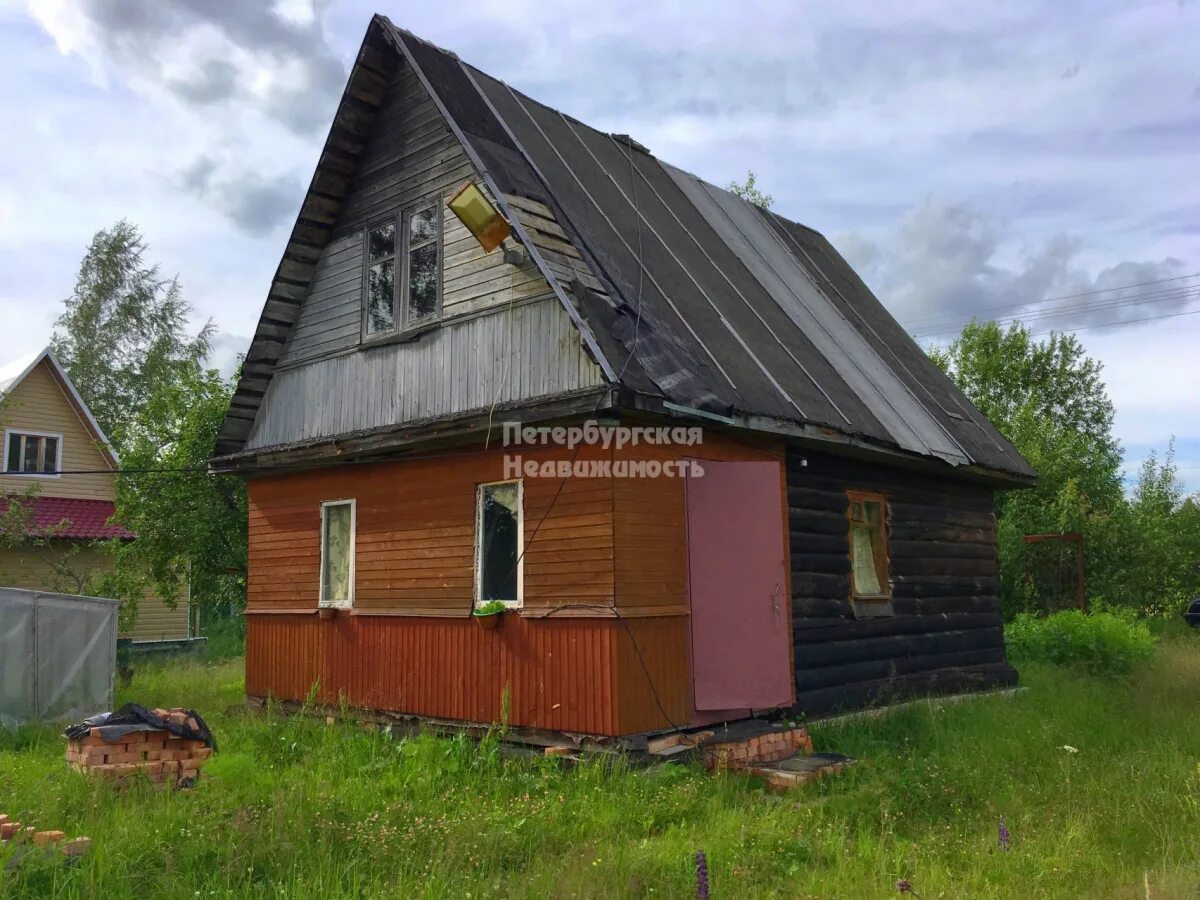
column 1034, row 315
column 929, row 320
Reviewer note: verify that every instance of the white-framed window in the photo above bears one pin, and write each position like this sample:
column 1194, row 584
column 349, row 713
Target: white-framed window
column 499, row 539
column 338, row 526
column 402, row 273
column 32, row 453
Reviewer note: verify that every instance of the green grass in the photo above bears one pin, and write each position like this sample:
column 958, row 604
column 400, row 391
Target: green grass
column 297, row 808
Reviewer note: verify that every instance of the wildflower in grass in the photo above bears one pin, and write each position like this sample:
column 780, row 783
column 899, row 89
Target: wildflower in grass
column 701, row 876
column 1004, row 835
column 1069, row 748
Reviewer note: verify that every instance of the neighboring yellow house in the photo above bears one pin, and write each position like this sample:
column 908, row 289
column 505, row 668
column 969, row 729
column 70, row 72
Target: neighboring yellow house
column 52, row 441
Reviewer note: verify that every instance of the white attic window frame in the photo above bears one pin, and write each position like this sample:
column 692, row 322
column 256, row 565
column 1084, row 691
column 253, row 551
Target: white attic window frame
column 24, row 433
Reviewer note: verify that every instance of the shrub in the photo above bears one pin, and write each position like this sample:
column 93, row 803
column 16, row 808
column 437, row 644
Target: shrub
column 1100, row 642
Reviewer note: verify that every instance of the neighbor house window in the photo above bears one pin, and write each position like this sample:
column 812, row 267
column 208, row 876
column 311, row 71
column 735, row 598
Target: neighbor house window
column 402, row 282
column 32, row 453
column 870, row 589
column 498, row 541
column 337, row 553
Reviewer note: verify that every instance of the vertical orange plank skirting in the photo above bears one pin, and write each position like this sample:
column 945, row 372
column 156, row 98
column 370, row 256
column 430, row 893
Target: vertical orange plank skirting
column 442, row 668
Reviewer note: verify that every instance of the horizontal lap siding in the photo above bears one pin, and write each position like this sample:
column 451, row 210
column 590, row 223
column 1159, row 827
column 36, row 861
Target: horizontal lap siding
column 947, row 632
column 415, row 539
column 39, row 403
column 69, row 566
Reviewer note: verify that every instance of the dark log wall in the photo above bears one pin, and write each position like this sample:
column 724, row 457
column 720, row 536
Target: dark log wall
column 946, row 634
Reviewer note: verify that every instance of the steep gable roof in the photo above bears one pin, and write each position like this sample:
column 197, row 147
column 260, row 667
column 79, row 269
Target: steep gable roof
column 13, row 373
column 691, row 295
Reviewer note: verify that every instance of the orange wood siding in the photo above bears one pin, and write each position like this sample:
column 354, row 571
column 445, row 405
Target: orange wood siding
column 415, row 537
column 664, row 645
column 408, row 644
column 557, row 672
column 650, row 525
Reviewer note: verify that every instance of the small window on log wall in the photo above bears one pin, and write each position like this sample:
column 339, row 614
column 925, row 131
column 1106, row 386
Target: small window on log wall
column 498, row 529
column 870, row 589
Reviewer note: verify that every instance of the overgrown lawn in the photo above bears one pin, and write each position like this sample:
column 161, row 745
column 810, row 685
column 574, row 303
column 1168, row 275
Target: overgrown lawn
column 297, row 808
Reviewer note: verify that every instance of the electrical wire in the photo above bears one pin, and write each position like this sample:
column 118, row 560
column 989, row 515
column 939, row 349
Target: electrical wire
column 930, row 320
column 1181, row 296
column 636, row 649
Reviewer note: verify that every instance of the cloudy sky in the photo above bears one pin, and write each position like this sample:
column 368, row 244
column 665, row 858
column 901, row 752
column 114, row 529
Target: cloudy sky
column 970, row 161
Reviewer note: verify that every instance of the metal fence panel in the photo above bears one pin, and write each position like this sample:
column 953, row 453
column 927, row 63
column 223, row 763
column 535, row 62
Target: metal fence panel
column 57, row 655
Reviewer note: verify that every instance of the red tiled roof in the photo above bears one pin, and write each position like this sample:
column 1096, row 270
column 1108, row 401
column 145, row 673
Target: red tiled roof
column 70, row 518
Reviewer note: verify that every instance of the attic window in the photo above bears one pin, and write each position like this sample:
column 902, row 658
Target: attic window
column 402, row 277
column 381, row 278
column 423, row 268
column 870, row 589
column 32, row 453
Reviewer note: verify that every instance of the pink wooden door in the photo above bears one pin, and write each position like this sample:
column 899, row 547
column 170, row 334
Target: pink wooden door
column 741, row 644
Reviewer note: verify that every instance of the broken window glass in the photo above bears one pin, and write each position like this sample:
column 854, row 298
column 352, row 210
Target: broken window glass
column 381, row 292
column 499, row 536
column 423, row 264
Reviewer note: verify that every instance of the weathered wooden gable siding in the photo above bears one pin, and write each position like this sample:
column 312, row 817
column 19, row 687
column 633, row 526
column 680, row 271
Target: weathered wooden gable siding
column 502, row 337
column 39, row 403
column 947, row 631
column 530, row 351
column 411, row 158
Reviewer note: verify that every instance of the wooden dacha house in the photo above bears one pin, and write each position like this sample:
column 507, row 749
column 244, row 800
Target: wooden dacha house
column 467, row 258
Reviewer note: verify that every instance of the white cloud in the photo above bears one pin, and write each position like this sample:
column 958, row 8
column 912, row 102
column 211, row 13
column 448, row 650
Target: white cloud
column 946, row 140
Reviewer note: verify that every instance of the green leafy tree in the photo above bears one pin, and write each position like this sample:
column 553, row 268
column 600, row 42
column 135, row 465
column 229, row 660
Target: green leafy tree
column 123, row 334
column 1164, row 526
column 190, row 524
column 1048, row 398
column 748, row 190
column 124, row 338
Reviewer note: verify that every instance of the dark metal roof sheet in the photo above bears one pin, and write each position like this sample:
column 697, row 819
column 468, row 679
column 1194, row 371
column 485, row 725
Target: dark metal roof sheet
column 709, row 303
column 723, row 306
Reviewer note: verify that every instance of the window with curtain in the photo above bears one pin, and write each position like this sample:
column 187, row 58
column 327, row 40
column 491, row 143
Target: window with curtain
column 337, row 553
column 870, row 589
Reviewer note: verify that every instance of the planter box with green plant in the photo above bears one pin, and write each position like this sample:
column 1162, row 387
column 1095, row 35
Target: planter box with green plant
column 489, row 615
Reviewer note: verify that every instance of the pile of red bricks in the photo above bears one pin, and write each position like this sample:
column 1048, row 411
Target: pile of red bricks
column 768, row 747
column 160, row 756
column 18, row 833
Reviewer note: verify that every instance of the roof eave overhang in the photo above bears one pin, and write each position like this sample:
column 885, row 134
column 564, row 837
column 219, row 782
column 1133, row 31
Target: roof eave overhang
column 821, row 438
column 410, row 437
